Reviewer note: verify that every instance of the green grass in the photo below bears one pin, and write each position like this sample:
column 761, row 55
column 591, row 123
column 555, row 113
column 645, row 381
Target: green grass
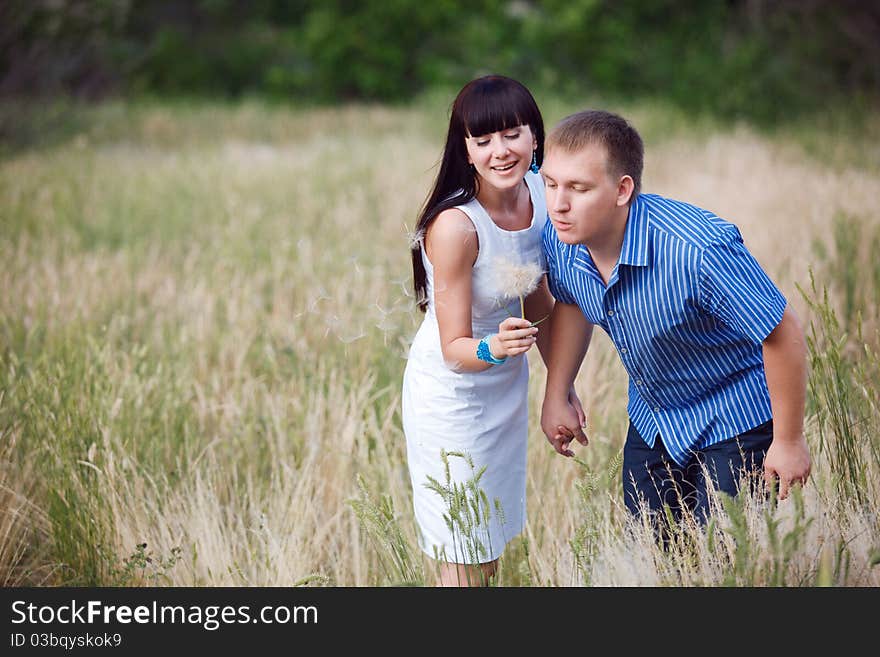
column 204, row 316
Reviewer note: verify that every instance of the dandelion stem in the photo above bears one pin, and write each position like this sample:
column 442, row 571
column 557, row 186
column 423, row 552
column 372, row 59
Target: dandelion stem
column 541, row 320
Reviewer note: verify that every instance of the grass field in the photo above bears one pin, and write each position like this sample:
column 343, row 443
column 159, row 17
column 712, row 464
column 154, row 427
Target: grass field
column 204, row 318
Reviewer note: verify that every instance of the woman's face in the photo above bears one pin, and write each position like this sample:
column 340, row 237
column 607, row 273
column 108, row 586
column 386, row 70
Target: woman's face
column 502, row 158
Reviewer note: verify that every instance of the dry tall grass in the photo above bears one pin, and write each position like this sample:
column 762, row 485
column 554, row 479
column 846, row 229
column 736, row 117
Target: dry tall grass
column 204, row 316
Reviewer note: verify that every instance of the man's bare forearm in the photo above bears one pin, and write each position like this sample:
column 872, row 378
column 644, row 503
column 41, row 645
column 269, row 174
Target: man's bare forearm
column 570, row 334
column 786, row 369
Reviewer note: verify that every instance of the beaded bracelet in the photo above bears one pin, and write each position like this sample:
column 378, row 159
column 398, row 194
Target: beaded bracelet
column 485, row 354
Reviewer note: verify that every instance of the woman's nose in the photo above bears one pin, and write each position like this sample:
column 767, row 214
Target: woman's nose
column 500, row 149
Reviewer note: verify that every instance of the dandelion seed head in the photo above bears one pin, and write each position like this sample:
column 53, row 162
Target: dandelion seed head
column 516, row 280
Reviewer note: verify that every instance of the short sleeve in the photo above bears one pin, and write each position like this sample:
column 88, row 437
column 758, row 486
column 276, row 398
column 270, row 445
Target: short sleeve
column 555, row 275
column 736, row 290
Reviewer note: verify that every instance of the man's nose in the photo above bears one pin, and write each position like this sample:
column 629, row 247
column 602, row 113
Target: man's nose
column 560, row 202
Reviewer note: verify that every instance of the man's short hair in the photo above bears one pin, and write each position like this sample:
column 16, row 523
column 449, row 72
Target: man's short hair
column 622, row 142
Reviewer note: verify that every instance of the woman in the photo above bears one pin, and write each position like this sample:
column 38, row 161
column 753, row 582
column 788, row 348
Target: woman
column 465, row 385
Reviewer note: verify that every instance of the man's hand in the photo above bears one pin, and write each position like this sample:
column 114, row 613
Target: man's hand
column 788, row 461
column 575, row 402
column 561, row 423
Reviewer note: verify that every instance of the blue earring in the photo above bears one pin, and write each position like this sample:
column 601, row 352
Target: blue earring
column 534, row 167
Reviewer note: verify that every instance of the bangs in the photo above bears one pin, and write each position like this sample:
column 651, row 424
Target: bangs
column 496, row 105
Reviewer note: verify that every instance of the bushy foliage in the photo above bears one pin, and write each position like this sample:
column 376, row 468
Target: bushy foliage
column 730, row 57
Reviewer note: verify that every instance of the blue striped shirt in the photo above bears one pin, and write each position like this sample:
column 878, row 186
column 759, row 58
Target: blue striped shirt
column 687, row 307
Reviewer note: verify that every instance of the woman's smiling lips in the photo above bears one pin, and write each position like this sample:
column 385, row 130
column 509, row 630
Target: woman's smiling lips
column 503, row 168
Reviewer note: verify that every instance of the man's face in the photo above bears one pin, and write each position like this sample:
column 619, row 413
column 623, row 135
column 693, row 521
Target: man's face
column 583, row 200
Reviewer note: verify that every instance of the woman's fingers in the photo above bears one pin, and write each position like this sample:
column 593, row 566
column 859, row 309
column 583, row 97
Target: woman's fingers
column 514, row 347
column 523, row 336
column 513, row 323
column 516, row 336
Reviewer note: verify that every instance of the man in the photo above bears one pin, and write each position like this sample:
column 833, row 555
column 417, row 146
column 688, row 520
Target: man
column 716, row 358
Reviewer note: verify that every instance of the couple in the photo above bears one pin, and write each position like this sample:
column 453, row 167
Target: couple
column 715, row 357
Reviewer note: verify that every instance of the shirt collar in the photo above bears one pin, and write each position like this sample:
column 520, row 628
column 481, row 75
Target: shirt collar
column 581, row 259
column 635, row 250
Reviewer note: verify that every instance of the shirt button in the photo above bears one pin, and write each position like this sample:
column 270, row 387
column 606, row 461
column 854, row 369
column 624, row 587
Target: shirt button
column 639, row 382
column 623, row 350
column 611, row 313
column 656, row 409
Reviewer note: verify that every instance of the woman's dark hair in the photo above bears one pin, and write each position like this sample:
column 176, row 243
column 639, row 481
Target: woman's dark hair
column 485, row 105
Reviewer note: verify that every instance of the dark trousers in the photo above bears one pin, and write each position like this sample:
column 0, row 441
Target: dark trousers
column 650, row 474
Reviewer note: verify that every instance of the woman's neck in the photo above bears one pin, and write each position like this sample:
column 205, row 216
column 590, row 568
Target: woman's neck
column 501, row 202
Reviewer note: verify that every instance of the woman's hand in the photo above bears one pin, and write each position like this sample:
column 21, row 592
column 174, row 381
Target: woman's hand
column 515, row 336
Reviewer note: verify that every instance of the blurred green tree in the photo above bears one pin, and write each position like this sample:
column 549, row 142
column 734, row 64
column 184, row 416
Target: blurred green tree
column 752, row 58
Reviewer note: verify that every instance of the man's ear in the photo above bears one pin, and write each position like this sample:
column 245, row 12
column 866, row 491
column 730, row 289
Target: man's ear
column 625, row 188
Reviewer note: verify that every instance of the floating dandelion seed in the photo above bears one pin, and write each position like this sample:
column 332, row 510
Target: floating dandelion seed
column 354, row 263
column 320, row 296
column 403, row 283
column 332, row 323
column 415, row 239
column 386, row 325
column 383, row 311
column 513, row 279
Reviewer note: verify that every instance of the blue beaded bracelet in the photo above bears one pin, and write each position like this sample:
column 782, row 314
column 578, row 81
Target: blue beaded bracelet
column 485, row 354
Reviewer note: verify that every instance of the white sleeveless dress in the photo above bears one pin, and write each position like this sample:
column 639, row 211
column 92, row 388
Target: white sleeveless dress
column 481, row 415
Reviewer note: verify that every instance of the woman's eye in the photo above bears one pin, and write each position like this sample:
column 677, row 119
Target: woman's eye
column 514, row 135
column 482, row 142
